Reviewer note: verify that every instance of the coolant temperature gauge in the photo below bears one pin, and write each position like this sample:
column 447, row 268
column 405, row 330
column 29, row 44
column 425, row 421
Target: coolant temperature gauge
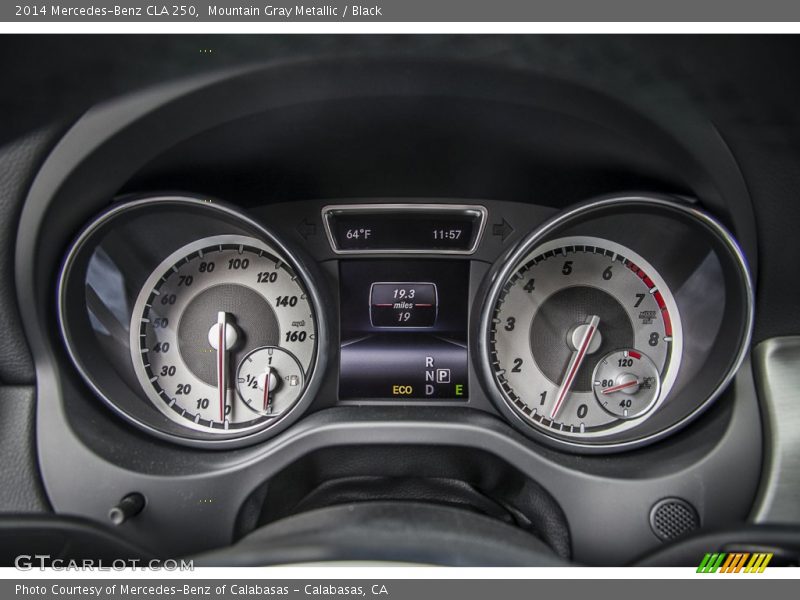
column 626, row 383
column 269, row 380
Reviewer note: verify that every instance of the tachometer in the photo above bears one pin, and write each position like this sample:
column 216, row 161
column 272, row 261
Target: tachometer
column 207, row 307
column 585, row 338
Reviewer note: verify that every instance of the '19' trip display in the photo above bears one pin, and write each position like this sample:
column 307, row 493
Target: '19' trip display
column 403, row 304
column 404, row 329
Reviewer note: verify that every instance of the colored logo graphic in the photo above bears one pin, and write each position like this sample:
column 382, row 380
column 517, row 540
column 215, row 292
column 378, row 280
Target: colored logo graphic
column 735, row 562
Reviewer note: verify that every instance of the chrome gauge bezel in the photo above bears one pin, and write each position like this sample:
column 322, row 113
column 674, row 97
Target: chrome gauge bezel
column 500, row 274
column 111, row 387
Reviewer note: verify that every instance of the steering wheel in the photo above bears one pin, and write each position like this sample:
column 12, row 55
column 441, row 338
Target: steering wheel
column 405, row 532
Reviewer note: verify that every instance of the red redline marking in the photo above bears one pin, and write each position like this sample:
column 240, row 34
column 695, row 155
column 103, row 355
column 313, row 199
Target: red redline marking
column 641, row 274
column 657, row 295
column 635, row 355
column 667, row 322
column 660, row 300
column 664, row 313
column 633, row 267
column 424, row 305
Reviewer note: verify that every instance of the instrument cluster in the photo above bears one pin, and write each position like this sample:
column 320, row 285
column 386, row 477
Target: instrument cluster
column 607, row 326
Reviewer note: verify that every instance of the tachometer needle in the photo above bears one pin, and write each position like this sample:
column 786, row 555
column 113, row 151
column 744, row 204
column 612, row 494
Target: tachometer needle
column 222, row 362
column 575, row 363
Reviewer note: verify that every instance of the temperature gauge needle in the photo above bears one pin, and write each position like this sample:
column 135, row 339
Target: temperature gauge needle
column 575, row 363
column 222, row 362
column 621, row 386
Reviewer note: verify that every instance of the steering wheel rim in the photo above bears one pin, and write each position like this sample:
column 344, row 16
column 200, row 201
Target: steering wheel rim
column 404, row 532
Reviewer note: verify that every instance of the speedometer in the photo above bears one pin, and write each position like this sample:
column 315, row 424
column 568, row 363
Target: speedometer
column 199, row 320
column 585, row 338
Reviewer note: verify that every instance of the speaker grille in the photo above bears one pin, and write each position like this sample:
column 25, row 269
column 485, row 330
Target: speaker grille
column 671, row 518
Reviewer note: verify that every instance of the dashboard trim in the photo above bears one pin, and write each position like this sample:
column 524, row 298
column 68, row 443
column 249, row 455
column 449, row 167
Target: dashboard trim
column 703, row 480
column 777, row 382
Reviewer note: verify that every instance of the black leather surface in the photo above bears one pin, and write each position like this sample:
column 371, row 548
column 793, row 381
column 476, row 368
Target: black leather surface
column 771, row 167
column 537, row 514
column 387, row 531
column 20, row 485
column 748, row 79
column 18, row 164
column 447, row 476
column 64, row 538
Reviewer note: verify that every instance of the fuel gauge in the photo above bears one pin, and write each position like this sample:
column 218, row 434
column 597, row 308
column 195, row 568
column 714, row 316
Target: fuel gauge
column 269, row 380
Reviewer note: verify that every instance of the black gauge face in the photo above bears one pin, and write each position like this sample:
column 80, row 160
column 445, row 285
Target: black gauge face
column 209, row 308
column 585, row 338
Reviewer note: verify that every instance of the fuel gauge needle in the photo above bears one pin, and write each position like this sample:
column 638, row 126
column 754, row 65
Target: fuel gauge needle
column 267, row 382
column 222, row 362
column 575, row 364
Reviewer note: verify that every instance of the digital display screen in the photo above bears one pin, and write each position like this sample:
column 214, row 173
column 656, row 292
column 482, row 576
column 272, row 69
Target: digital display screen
column 403, row 304
column 403, row 329
column 446, row 230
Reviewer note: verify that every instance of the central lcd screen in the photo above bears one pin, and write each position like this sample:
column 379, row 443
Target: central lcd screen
column 450, row 231
column 403, row 329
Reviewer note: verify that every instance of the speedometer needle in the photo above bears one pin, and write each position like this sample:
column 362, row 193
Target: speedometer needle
column 575, row 363
column 222, row 362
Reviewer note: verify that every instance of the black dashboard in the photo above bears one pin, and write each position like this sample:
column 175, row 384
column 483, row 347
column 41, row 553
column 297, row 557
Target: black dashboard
column 285, row 287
